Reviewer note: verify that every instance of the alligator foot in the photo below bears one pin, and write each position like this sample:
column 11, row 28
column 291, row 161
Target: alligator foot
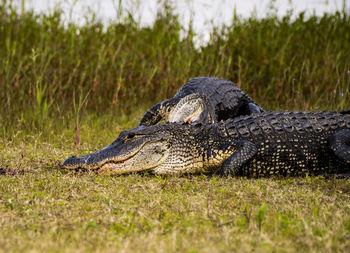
column 340, row 144
column 245, row 150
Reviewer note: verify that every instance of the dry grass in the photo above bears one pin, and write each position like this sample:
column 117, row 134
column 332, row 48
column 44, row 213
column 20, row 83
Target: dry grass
column 45, row 209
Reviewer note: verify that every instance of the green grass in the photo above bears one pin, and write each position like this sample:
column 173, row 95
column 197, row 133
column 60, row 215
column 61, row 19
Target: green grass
column 59, row 83
column 45, row 209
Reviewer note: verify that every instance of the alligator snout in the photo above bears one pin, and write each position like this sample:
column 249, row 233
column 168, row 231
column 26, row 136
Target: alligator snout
column 72, row 161
column 90, row 161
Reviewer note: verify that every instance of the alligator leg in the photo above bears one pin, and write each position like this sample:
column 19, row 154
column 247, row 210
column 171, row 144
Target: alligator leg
column 152, row 116
column 340, row 144
column 245, row 150
column 157, row 112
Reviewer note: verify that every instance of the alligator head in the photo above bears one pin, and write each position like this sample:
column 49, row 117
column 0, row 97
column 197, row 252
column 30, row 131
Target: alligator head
column 162, row 149
column 193, row 108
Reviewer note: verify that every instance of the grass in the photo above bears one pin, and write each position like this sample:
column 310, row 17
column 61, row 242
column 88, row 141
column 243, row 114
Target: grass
column 283, row 63
column 45, row 209
column 68, row 90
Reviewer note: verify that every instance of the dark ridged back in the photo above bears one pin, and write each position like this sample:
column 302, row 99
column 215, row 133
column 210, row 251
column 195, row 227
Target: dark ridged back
column 227, row 98
column 248, row 127
column 290, row 143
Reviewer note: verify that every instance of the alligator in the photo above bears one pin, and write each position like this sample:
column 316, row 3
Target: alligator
column 270, row 143
column 203, row 100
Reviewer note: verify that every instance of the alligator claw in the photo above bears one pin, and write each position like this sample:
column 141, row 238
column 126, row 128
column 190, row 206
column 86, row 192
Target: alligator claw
column 226, row 171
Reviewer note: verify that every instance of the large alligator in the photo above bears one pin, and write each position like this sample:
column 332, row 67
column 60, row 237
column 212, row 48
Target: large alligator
column 285, row 143
column 203, row 100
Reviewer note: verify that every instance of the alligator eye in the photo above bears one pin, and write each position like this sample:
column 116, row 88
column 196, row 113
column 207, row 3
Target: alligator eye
column 133, row 136
column 130, row 136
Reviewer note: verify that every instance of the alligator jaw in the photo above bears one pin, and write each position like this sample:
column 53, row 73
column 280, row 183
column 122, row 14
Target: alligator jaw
column 116, row 161
column 151, row 155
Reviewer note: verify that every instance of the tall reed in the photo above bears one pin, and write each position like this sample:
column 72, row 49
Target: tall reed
column 283, row 63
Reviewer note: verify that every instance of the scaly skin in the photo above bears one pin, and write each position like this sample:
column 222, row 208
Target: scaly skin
column 284, row 143
column 220, row 100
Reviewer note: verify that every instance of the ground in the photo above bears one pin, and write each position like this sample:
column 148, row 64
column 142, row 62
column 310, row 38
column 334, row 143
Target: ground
column 43, row 208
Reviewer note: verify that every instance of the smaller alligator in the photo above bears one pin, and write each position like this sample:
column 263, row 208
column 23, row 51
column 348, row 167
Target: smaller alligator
column 284, row 143
column 203, row 100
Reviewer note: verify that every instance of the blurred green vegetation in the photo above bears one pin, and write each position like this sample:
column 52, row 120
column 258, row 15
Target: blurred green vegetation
column 51, row 71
